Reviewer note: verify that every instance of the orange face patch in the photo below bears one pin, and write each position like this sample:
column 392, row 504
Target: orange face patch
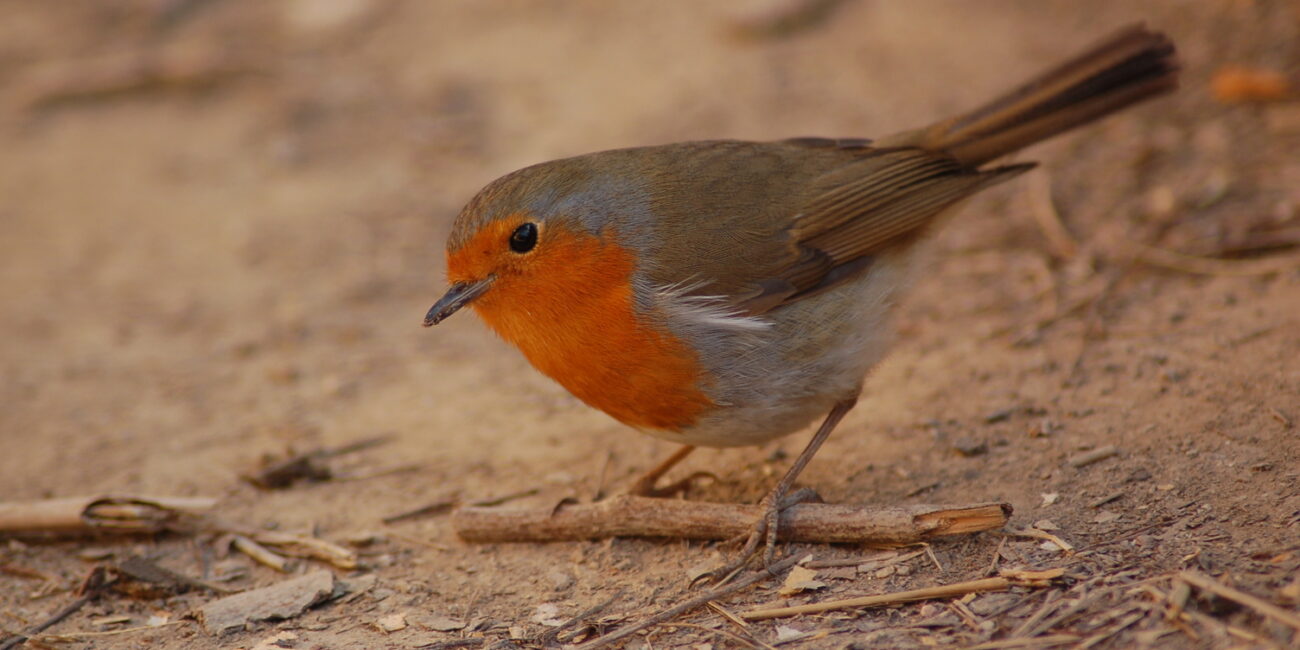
column 568, row 305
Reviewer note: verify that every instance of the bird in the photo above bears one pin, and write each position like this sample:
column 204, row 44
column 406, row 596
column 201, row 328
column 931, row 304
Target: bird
column 726, row 293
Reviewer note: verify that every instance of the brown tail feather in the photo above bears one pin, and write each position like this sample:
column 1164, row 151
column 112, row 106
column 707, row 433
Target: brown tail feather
column 1128, row 67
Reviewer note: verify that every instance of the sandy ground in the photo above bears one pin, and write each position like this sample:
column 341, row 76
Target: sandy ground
column 221, row 223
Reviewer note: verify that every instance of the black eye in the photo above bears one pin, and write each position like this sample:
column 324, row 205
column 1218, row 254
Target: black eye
column 524, row 238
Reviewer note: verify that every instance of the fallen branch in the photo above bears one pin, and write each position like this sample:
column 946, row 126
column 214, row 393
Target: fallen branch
column 1000, row 583
column 633, row 516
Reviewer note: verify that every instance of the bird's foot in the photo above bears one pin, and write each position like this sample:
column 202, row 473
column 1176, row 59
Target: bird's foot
column 763, row 533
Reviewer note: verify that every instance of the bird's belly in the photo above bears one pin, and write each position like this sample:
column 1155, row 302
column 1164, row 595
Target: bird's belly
column 816, row 353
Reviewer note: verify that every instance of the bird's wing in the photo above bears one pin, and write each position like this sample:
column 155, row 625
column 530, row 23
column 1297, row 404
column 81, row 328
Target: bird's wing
column 797, row 217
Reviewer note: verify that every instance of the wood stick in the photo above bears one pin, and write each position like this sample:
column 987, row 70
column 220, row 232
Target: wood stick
column 75, row 516
column 633, row 516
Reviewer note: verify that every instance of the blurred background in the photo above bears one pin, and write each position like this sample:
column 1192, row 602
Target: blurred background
column 221, row 222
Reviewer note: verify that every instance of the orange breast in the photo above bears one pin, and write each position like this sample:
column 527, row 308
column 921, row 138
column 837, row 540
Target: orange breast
column 568, row 306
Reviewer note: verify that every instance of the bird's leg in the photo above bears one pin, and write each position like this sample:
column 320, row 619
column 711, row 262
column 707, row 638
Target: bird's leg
column 765, row 529
column 645, row 485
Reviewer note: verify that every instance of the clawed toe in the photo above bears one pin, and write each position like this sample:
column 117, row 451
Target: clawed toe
column 763, row 533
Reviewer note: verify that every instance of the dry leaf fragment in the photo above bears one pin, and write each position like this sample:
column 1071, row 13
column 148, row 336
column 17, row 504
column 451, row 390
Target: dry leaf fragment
column 277, row 641
column 800, row 579
column 547, row 614
column 785, row 634
column 1105, row 517
column 391, row 623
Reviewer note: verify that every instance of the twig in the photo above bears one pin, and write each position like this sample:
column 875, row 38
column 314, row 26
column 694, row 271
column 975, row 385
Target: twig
column 1199, row 265
column 788, row 19
column 929, row 593
column 632, row 516
column 1263, row 607
column 672, row 612
column 1280, row 417
column 1049, row 605
column 506, row 498
column 1115, row 629
column 874, row 564
column 738, row 622
column 107, row 78
column 721, row 632
column 307, row 466
column 96, row 583
column 1093, row 456
column 553, row 634
column 930, row 552
column 435, row 508
column 1051, row 639
column 997, row 555
column 259, row 553
column 1227, row 629
column 1059, row 240
column 1037, row 625
column 305, row 546
column 446, row 504
column 471, row 642
column 1097, row 503
column 68, row 637
column 728, row 614
column 381, row 472
column 418, row 542
column 1042, row 534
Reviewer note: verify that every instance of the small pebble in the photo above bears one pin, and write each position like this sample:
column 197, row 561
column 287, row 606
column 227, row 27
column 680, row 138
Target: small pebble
column 560, row 581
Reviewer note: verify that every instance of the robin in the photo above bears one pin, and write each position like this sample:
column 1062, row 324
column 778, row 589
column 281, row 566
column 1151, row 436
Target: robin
column 726, row 293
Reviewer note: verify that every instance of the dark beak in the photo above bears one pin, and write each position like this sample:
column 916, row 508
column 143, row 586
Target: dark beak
column 459, row 295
